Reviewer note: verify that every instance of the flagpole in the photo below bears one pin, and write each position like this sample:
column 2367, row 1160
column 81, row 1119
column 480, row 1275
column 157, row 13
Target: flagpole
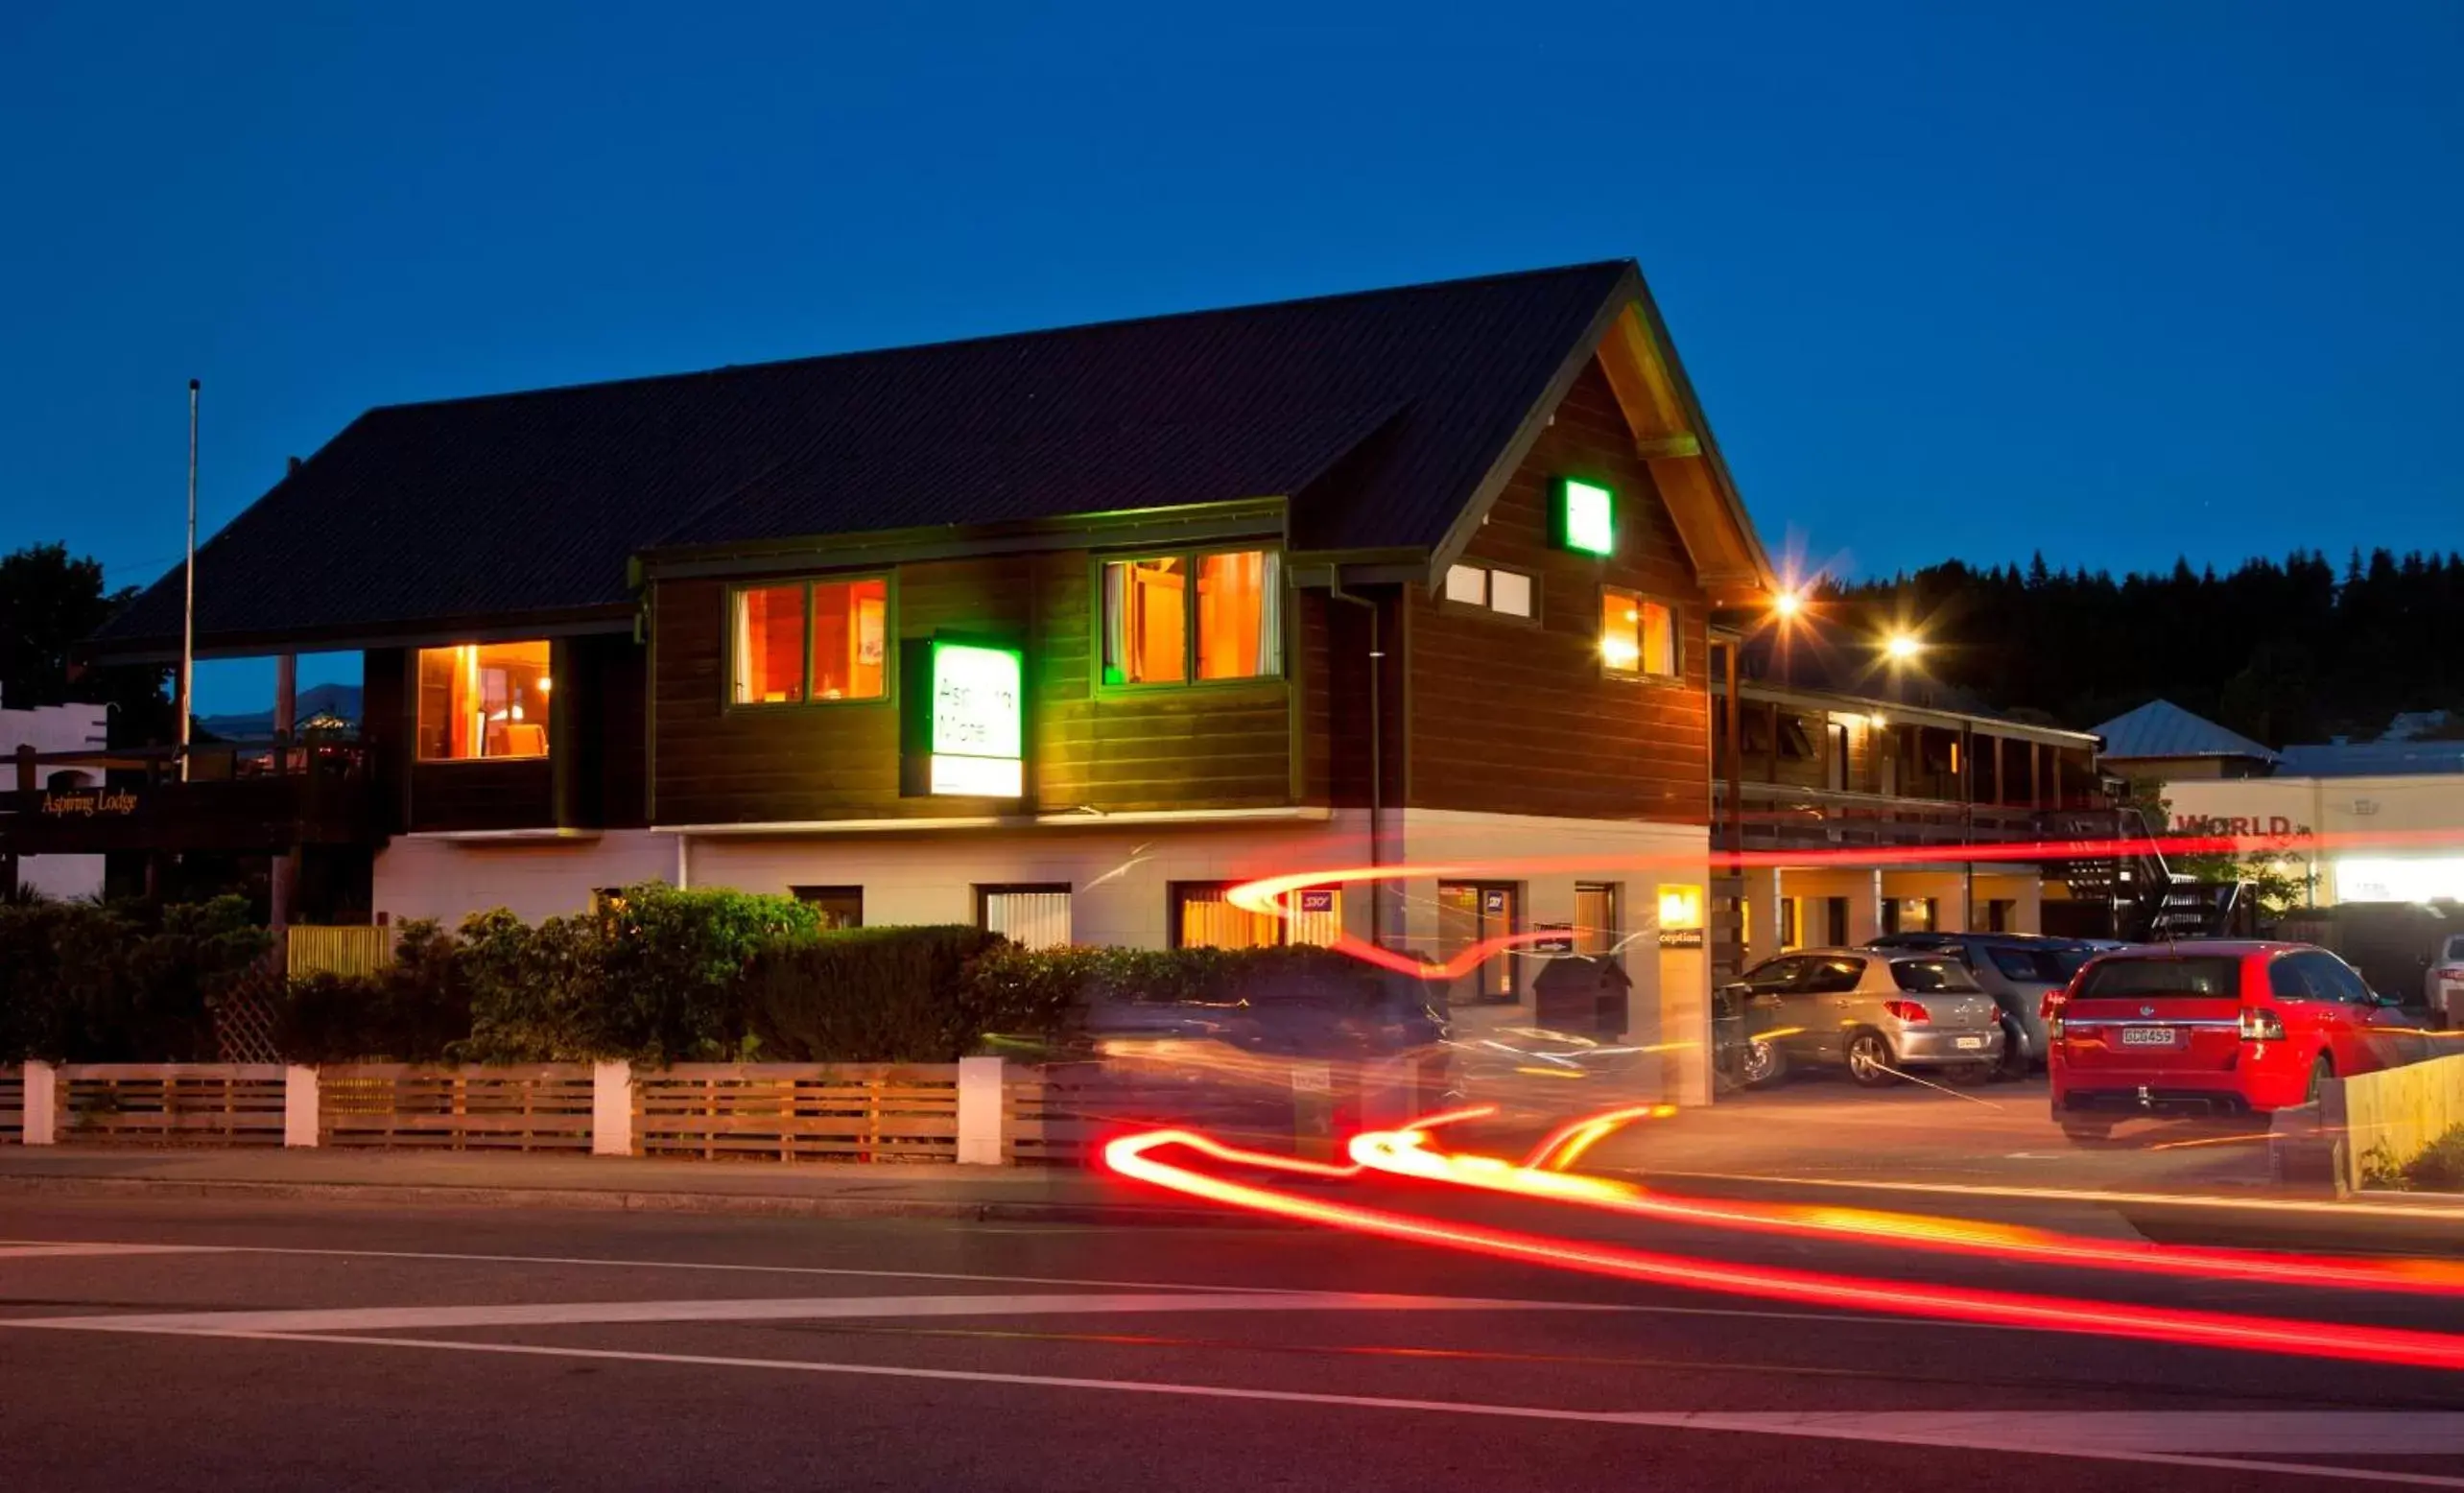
column 188, row 609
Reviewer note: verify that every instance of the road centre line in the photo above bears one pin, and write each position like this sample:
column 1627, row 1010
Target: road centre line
column 1975, row 1432
column 1748, row 1314
column 572, row 1314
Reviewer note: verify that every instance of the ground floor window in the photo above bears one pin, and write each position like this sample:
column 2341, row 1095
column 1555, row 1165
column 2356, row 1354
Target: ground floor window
column 1470, row 913
column 1912, row 915
column 1037, row 916
column 1834, row 913
column 1790, row 938
column 2000, row 914
column 1203, row 917
column 840, row 907
column 1599, row 925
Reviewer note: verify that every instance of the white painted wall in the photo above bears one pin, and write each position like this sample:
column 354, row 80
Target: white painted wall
column 423, row 876
column 2430, row 803
column 56, row 728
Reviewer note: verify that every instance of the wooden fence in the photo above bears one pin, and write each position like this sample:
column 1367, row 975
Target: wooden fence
column 798, row 1111
column 1057, row 1114
column 336, row 951
column 172, row 1103
column 2396, row 1113
column 13, row 1105
column 540, row 1107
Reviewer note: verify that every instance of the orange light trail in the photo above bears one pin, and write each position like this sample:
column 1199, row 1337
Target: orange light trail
column 1402, row 1153
column 1132, row 1156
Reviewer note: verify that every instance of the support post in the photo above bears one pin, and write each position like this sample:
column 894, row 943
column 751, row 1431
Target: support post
column 611, row 1110
column 40, row 1124
column 980, row 1141
column 301, row 1122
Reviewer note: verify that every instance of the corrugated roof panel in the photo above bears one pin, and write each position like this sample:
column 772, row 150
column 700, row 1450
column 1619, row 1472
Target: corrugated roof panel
column 2161, row 728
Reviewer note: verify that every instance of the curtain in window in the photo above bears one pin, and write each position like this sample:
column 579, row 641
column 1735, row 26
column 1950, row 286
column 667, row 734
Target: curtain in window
column 742, row 690
column 1116, row 622
column 1270, row 613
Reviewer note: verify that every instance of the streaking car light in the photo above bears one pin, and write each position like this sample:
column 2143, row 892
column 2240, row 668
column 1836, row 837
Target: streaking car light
column 1133, row 1156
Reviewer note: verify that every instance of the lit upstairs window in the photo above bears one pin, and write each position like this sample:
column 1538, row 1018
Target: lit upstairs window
column 1637, row 638
column 1178, row 618
column 484, row 700
column 809, row 640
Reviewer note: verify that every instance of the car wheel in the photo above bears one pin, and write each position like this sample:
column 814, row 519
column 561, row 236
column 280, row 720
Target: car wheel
column 2320, row 1071
column 1765, row 1064
column 1869, row 1060
column 2016, row 1063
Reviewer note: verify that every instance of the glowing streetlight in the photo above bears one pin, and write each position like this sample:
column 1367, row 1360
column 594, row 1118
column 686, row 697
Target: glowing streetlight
column 1901, row 647
column 1786, row 606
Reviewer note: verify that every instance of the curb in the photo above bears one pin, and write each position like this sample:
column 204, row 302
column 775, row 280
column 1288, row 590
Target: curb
column 592, row 1199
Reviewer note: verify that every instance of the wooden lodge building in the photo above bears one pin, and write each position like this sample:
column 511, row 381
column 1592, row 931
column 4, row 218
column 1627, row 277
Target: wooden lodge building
column 1061, row 633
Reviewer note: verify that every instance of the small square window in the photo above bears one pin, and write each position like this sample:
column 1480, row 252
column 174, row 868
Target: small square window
column 1511, row 593
column 1637, row 637
column 1467, row 584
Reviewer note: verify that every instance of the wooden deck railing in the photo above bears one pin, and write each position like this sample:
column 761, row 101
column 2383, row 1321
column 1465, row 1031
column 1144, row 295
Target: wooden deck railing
column 172, row 1103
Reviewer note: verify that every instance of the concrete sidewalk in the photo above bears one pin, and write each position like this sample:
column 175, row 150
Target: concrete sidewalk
column 516, row 1179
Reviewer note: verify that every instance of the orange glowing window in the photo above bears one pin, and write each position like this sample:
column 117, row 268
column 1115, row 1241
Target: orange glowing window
column 1159, row 627
column 1637, row 637
column 821, row 640
column 484, row 700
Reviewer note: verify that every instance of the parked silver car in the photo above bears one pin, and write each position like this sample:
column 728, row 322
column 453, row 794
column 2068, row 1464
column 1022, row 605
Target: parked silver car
column 1877, row 1012
column 2017, row 970
column 2442, row 985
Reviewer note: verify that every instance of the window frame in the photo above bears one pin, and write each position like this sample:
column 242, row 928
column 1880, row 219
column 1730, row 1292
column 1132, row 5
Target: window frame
column 1176, row 894
column 817, row 895
column 889, row 695
column 557, row 658
column 1676, row 674
column 1191, row 558
column 1488, row 605
column 985, row 891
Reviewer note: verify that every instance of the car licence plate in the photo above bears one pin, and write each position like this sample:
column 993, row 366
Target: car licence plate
column 1968, row 1044
column 2147, row 1036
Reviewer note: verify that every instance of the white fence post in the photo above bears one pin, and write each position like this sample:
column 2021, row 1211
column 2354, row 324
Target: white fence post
column 41, row 1125
column 979, row 1112
column 611, row 1110
column 299, row 1116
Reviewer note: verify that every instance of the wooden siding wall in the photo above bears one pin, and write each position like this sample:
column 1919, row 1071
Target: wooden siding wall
column 594, row 777
column 1516, row 719
column 713, row 763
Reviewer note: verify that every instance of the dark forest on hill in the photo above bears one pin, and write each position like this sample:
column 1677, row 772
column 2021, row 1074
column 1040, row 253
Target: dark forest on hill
column 2289, row 650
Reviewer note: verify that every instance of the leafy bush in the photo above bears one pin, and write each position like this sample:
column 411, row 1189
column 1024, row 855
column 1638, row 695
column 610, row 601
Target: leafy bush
column 85, row 982
column 2440, row 1169
column 869, row 995
column 672, row 966
column 414, row 1010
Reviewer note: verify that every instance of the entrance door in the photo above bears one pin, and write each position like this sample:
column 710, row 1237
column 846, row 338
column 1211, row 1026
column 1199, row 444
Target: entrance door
column 1469, row 913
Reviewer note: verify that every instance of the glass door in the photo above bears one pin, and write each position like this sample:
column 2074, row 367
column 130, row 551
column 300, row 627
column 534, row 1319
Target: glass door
column 1470, row 913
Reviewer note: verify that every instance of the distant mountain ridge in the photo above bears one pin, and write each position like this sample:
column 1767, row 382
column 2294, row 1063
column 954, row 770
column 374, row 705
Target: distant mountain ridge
column 340, row 701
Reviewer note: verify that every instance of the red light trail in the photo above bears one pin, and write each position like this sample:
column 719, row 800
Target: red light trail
column 1132, row 1156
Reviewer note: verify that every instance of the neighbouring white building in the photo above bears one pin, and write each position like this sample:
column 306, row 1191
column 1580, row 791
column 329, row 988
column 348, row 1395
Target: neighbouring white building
column 53, row 729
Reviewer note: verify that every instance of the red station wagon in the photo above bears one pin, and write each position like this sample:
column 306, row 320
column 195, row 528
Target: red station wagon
column 2202, row 1028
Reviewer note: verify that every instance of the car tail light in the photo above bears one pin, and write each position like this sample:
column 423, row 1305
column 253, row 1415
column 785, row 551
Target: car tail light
column 2261, row 1025
column 1909, row 1011
column 2049, row 1003
column 2451, row 971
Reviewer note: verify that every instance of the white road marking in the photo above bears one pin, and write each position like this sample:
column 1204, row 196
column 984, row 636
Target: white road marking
column 1981, row 1431
column 1835, row 1319
column 2238, row 1433
column 570, row 1314
column 57, row 1251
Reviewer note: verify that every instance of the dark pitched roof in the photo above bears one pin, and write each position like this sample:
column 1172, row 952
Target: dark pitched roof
column 530, row 503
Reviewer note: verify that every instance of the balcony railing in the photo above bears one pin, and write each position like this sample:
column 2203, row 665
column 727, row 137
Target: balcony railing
column 260, row 799
column 1783, row 817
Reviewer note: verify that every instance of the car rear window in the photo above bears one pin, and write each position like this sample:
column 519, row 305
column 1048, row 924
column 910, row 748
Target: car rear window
column 1924, row 976
column 2124, row 977
column 2037, row 966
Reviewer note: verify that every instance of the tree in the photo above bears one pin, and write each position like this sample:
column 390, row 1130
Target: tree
column 49, row 601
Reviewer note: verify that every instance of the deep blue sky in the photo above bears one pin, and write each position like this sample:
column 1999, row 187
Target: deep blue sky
column 2112, row 284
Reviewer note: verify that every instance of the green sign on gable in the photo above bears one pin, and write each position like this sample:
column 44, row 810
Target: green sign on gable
column 1586, row 516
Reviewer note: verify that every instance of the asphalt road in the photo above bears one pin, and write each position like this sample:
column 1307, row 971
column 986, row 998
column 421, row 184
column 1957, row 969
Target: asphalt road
column 205, row 1344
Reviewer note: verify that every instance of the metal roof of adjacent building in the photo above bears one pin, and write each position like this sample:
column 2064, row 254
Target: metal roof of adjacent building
column 530, row 505
column 2371, row 759
column 2161, row 730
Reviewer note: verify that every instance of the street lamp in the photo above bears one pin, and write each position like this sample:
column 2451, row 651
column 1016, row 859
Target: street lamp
column 1786, row 606
column 1901, row 647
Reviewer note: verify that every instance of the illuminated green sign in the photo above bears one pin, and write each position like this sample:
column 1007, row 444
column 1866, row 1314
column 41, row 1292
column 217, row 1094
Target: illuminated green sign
column 978, row 731
column 1586, row 516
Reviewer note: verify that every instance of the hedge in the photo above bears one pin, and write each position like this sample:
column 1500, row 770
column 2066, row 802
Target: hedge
column 82, row 981
column 870, row 995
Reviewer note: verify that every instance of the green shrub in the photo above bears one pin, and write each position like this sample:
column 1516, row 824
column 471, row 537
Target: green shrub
column 85, row 982
column 869, row 995
column 671, row 964
column 414, row 1010
column 2440, row 1169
